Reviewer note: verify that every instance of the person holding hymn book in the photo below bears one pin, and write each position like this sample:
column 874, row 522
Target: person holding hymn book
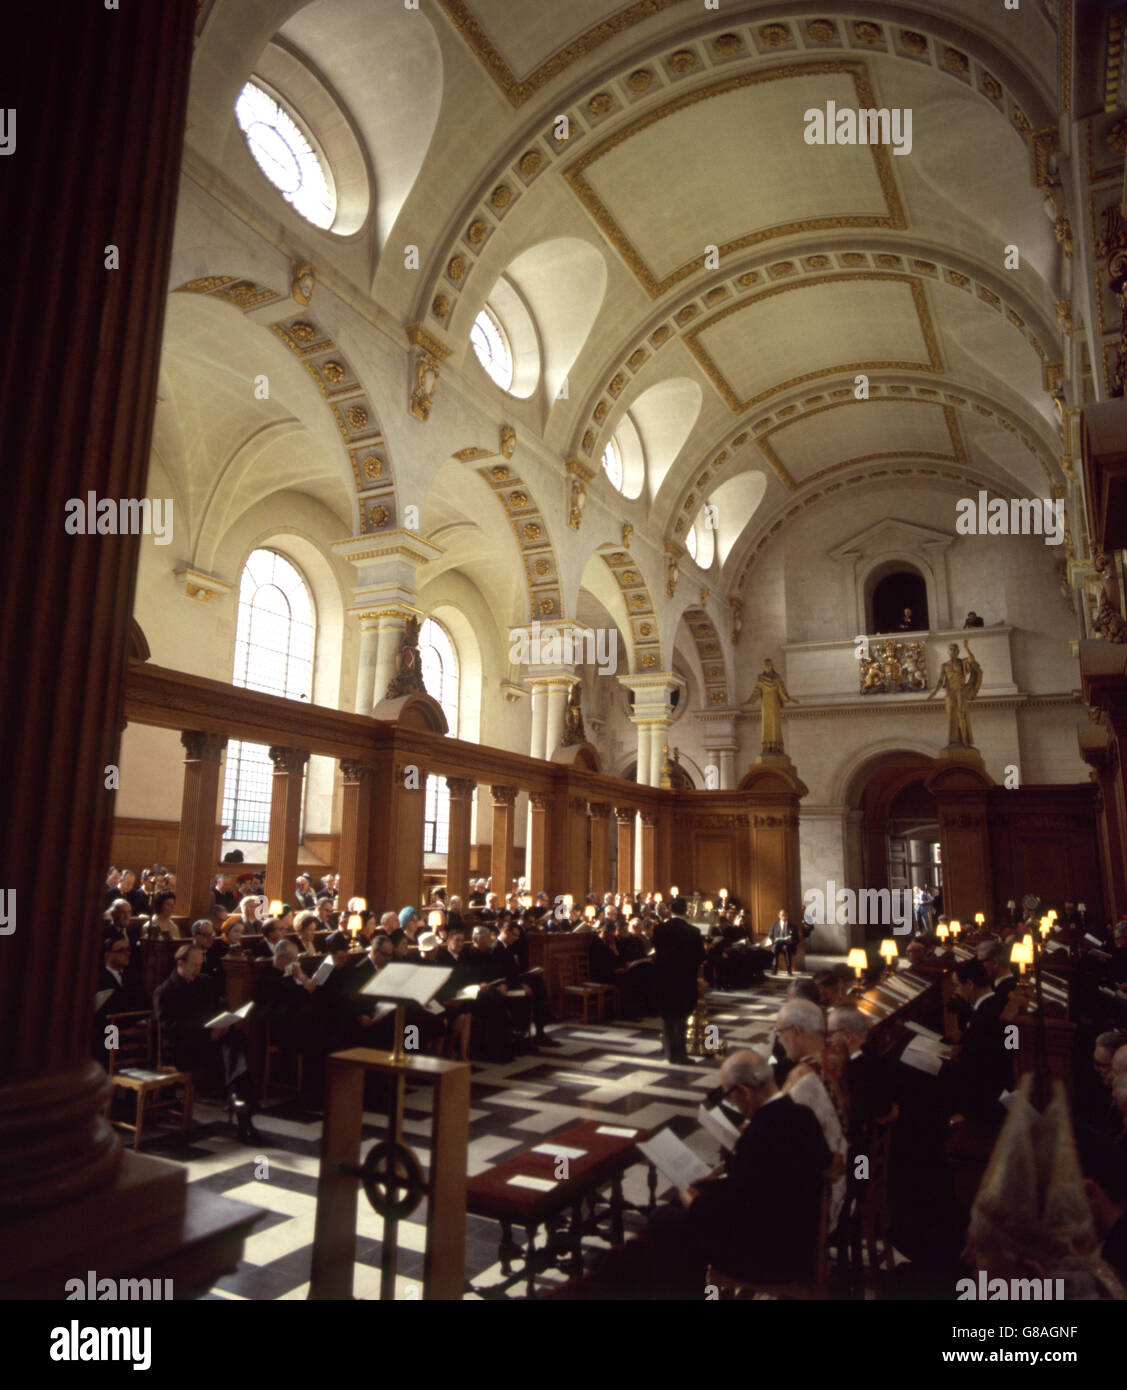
column 734, row 1217
column 199, row 1036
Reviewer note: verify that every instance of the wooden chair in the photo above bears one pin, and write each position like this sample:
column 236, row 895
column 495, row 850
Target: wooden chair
column 815, row 1287
column 586, row 994
column 131, row 1068
column 271, row 1050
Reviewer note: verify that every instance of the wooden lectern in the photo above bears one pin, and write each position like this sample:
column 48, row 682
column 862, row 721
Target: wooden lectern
column 390, row 1173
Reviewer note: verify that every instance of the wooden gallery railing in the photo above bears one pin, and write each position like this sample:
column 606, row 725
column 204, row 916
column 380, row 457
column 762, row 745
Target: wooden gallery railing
column 706, row 839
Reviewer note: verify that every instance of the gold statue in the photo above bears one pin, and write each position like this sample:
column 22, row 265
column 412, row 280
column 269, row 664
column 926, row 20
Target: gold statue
column 961, row 679
column 770, row 689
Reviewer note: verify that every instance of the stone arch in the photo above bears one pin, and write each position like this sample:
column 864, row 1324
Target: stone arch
column 645, row 631
column 375, row 506
column 710, row 650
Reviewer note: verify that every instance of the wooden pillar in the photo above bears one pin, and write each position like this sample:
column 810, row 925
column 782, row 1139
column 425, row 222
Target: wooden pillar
column 647, row 869
column 195, row 849
column 403, row 845
column 624, row 816
column 960, row 787
column 102, row 100
column 600, row 846
column 502, row 858
column 573, row 870
column 355, row 830
column 537, row 867
column 461, row 791
column 285, row 821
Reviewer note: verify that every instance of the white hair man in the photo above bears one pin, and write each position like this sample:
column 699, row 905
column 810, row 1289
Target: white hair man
column 801, row 1029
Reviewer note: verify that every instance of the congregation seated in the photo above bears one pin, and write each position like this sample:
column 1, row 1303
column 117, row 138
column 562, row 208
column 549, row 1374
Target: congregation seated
column 609, row 964
column 981, row 1068
column 127, row 890
column 116, row 992
column 160, row 922
column 261, row 944
column 304, row 896
column 223, row 893
column 305, row 928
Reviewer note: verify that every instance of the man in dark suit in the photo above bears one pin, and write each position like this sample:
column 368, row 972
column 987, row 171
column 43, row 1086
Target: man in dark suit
column 262, row 945
column 754, row 1217
column 982, row 1067
column 125, row 996
column 781, row 941
column 1003, row 981
column 678, row 953
column 217, row 1056
column 868, row 1079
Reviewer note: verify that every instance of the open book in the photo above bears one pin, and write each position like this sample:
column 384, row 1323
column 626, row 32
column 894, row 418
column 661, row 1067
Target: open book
column 719, row 1126
column 925, row 1054
column 674, row 1160
column 100, row 998
column 416, row 984
column 227, row 1019
column 472, row 991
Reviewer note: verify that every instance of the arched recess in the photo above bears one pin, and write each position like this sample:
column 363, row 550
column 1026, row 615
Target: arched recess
column 873, row 790
column 664, row 416
column 714, row 670
column 375, row 506
column 530, row 528
column 467, row 647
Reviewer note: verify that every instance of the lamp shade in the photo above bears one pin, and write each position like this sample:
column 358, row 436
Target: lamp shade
column 888, row 949
column 857, row 960
column 275, row 908
column 979, row 918
column 434, row 919
column 943, row 931
column 955, row 926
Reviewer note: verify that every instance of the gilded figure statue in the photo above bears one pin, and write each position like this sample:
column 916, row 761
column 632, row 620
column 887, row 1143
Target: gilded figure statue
column 960, row 678
column 573, row 730
column 769, row 688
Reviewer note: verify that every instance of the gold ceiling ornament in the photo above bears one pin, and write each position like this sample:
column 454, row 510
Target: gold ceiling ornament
column 640, row 80
column 639, row 602
column 672, row 574
column 303, row 282
column 739, row 439
column 477, row 231
column 332, row 371
column 892, row 219
column 749, row 277
column 540, row 568
column 728, row 44
column 600, row 104
column 498, row 472
column 782, row 268
column 1115, row 137
column 773, row 35
column 645, row 629
column 817, row 262
column 636, row 358
column 357, row 417
column 427, row 352
column 531, row 532
column 501, row 196
column 627, row 577
column 546, row 606
column 865, row 32
column 889, row 262
column 518, row 499
column 456, row 267
column 530, row 163
column 372, row 466
column 302, row 332
column 588, row 441
column 473, row 453
column 378, row 515
column 715, row 295
column 703, row 597
column 991, row 86
column 627, row 532
column 600, row 411
column 576, row 504
column 508, row 441
column 618, row 381
column 911, row 42
column 684, row 60
column 440, row 306
column 954, row 61
column 660, row 335
column 821, row 30
column 690, row 311
column 648, row 660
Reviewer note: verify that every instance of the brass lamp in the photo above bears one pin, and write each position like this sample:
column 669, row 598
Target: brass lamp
column 888, row 952
column 955, row 927
column 857, row 961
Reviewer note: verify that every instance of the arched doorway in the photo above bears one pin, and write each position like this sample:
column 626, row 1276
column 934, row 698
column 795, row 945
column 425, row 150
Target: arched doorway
column 904, row 588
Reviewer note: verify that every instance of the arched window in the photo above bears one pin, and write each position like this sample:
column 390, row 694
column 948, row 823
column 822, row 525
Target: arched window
column 439, row 663
column 491, row 344
column 612, row 465
column 285, row 154
column 273, row 653
column 691, row 542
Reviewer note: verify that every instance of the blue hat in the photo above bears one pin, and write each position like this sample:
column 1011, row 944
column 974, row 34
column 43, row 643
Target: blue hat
column 405, row 915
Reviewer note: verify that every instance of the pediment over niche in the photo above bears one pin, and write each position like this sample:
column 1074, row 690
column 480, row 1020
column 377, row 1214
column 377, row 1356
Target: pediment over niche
column 891, row 537
column 885, row 546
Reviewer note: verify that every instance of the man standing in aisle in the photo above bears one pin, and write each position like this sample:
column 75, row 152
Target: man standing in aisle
column 678, row 953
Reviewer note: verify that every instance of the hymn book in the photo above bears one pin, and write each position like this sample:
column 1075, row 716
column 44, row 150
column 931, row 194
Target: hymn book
column 228, row 1019
column 414, row 984
column 719, row 1126
column 674, row 1160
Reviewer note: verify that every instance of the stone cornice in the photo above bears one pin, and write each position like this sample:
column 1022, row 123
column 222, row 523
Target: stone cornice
column 907, row 704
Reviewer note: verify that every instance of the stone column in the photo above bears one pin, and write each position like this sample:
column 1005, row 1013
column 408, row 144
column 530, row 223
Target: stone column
column 647, row 871
column 539, row 718
column 501, row 859
column 659, row 738
column 366, row 667
column 285, row 821
column 624, row 816
column 355, row 830
column 600, row 846
column 195, row 849
column 558, row 692
column 642, row 771
column 539, row 804
column 461, row 791
column 102, row 100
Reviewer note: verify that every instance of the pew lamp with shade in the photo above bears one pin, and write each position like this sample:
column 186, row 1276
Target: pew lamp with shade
column 1045, row 926
column 943, row 931
column 724, row 897
column 858, row 961
column 980, row 922
column 1021, row 955
column 275, row 908
column 435, row 918
column 674, row 891
column 955, row 927
column 888, row 953
column 353, row 925
column 657, row 898
column 589, row 912
column 1011, row 908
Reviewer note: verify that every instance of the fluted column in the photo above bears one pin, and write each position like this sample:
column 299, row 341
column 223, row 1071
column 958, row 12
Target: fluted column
column 355, row 829
column 600, row 846
column 647, row 872
column 624, row 818
column 558, row 692
column 285, row 820
column 727, row 768
column 642, row 771
column 539, row 804
column 195, row 849
column 101, row 98
column 502, row 857
column 461, row 791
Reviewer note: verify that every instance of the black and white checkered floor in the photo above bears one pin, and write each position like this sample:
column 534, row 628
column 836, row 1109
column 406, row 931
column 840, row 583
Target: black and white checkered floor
column 603, row 1072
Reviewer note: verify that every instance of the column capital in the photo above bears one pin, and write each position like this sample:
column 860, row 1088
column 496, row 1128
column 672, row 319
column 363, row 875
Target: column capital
column 504, row 796
column 202, row 747
column 354, row 771
column 599, row 810
column 540, row 801
column 577, row 805
column 289, row 759
column 461, row 788
column 653, row 692
column 649, row 819
column 624, row 814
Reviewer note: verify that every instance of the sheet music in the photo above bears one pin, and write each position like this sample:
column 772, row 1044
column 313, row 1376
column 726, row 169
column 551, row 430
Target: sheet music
column 416, row 984
column 674, row 1160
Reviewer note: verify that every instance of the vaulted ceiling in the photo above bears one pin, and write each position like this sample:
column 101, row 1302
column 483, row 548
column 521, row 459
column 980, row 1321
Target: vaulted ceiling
column 750, row 275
